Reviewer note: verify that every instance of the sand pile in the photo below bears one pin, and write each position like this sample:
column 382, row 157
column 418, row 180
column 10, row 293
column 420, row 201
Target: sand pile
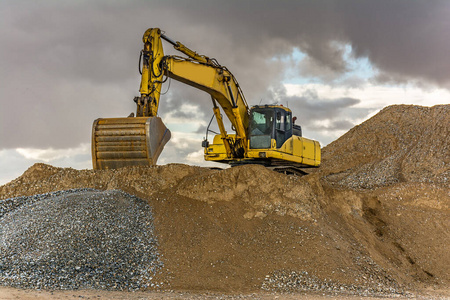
column 42, row 178
column 367, row 223
column 402, row 143
column 262, row 190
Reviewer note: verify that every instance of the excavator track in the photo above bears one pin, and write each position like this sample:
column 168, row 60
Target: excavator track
column 121, row 142
column 288, row 170
column 277, row 166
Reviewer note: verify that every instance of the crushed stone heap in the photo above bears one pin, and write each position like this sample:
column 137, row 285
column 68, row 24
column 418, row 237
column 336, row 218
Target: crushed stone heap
column 78, row 239
column 402, row 143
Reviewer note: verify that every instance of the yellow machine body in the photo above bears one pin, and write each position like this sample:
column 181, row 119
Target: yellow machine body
column 262, row 134
column 297, row 151
column 273, row 140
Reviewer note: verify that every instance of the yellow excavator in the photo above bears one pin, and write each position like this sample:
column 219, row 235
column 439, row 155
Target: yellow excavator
column 263, row 134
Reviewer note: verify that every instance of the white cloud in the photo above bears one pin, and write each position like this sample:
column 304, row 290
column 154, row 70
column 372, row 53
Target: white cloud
column 12, row 165
column 50, row 154
column 371, row 99
column 375, row 96
column 196, row 157
column 185, row 147
column 13, row 162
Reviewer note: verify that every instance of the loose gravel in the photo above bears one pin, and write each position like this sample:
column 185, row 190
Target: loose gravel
column 80, row 238
column 298, row 281
column 402, row 143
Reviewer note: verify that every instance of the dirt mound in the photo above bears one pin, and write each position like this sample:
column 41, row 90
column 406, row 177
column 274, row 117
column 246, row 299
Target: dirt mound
column 42, row 178
column 244, row 228
column 402, row 143
column 262, row 190
column 373, row 220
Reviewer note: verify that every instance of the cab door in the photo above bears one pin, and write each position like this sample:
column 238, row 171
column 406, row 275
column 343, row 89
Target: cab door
column 283, row 126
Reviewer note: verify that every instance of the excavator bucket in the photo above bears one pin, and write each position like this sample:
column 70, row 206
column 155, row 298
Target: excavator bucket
column 121, row 142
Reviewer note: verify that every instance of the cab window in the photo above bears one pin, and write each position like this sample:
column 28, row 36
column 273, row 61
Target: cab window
column 280, row 121
column 261, row 122
column 288, row 122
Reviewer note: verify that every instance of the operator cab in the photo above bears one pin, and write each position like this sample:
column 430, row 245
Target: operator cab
column 270, row 122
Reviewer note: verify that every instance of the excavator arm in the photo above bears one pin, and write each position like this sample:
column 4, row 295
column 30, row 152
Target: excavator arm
column 224, row 90
column 151, row 80
column 198, row 71
column 139, row 141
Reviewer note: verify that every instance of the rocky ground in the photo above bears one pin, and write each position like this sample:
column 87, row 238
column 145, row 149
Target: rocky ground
column 373, row 221
column 78, row 239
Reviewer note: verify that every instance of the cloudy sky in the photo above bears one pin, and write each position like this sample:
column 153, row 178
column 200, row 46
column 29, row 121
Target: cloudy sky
column 334, row 63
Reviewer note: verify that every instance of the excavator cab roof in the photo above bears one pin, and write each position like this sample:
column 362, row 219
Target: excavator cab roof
column 270, row 106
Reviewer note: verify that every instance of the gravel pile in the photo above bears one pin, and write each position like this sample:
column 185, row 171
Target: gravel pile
column 371, row 175
column 294, row 281
column 78, row 239
column 402, row 143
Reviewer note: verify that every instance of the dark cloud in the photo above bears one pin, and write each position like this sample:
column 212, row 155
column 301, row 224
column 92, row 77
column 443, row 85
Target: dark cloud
column 65, row 63
column 405, row 39
column 316, row 113
column 179, row 96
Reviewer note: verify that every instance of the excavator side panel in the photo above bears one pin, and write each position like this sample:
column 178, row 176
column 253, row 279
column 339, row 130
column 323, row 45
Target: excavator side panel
column 121, row 142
